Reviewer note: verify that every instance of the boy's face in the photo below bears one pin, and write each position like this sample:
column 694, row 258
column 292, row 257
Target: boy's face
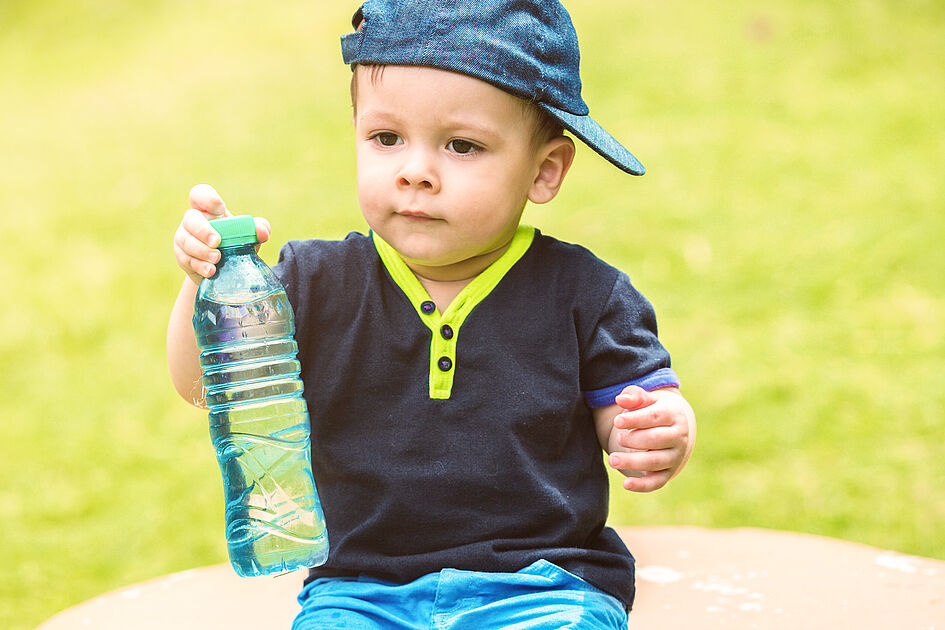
column 445, row 166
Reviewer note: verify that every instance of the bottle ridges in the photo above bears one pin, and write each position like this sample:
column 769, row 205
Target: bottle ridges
column 259, row 426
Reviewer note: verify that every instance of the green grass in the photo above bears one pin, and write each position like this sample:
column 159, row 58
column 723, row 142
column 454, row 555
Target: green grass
column 789, row 231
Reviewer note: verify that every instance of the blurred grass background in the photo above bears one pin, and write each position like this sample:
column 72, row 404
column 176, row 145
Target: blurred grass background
column 789, row 231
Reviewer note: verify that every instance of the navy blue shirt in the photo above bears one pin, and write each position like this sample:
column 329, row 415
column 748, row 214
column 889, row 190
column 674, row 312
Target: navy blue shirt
column 466, row 439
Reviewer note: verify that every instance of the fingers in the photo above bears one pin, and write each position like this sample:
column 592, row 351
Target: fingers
column 654, row 439
column 654, row 435
column 645, row 418
column 648, row 482
column 643, row 461
column 661, row 409
column 634, row 397
column 195, row 243
column 204, row 198
column 263, row 230
column 646, row 471
column 649, row 450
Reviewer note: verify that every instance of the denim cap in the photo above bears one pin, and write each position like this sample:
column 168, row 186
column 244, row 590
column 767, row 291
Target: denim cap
column 526, row 47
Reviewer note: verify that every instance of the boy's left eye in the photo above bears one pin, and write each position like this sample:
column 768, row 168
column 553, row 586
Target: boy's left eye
column 463, row 147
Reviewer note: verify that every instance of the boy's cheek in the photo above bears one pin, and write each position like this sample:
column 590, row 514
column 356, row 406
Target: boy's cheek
column 371, row 173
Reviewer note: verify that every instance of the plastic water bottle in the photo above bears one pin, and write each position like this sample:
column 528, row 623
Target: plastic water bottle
column 259, row 422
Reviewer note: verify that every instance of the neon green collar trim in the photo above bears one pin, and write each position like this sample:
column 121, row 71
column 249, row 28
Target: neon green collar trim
column 445, row 327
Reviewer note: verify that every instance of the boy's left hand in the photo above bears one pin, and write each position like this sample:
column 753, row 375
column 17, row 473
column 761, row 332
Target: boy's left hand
column 650, row 432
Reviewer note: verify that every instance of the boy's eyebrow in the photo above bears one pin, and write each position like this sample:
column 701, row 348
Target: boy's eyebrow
column 370, row 115
column 474, row 127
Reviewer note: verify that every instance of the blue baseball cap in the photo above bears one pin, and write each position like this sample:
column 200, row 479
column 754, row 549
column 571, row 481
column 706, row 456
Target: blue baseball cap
column 526, row 47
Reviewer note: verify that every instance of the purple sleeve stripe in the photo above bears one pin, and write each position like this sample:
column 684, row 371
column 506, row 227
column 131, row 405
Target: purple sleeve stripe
column 663, row 377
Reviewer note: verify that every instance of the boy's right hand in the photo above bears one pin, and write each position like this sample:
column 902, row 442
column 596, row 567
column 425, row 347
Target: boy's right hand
column 195, row 242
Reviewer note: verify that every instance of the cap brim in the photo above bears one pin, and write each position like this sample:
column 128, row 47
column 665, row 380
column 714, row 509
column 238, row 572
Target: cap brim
column 596, row 137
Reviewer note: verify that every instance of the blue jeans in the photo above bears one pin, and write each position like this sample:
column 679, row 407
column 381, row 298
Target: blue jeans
column 539, row 597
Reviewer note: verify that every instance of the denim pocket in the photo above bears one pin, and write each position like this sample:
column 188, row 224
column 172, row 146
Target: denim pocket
column 560, row 577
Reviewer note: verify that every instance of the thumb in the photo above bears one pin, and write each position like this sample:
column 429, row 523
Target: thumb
column 203, row 197
column 263, row 230
column 634, row 397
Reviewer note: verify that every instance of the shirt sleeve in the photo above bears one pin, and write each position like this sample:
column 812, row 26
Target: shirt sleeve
column 287, row 270
column 623, row 348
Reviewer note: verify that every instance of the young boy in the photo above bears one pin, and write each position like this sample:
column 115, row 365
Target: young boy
column 463, row 371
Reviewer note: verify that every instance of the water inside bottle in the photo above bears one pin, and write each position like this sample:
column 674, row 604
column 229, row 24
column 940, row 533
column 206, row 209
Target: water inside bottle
column 270, row 525
column 227, row 320
column 259, row 425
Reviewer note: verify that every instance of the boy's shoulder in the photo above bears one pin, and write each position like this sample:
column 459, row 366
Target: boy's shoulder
column 315, row 266
column 561, row 257
column 314, row 252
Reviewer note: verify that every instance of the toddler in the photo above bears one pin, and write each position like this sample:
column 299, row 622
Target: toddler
column 462, row 370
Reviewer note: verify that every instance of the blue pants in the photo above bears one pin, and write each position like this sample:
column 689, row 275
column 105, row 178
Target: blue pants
column 539, row 597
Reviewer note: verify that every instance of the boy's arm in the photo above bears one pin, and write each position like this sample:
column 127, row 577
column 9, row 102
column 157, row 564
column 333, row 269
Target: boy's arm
column 651, row 432
column 182, row 354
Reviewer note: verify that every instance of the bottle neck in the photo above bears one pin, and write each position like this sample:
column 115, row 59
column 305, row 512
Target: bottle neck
column 237, row 250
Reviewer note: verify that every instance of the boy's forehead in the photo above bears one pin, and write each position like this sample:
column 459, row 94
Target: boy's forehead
column 401, row 90
column 428, row 75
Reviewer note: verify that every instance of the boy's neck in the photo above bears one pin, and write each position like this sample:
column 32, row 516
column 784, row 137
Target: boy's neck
column 443, row 293
column 443, row 284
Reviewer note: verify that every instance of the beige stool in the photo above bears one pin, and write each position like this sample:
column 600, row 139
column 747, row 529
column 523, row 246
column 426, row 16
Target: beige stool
column 687, row 577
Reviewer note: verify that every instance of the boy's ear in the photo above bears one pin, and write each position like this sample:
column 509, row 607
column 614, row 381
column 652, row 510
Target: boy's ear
column 555, row 160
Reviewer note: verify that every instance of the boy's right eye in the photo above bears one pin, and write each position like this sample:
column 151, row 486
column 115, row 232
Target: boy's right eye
column 387, row 138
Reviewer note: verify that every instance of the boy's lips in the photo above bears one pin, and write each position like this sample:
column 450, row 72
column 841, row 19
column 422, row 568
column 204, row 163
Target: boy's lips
column 415, row 214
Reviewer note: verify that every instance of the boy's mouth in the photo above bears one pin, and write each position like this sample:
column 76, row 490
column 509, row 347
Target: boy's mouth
column 416, row 214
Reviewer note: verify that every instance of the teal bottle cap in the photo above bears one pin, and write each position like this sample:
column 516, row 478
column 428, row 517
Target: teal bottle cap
column 239, row 230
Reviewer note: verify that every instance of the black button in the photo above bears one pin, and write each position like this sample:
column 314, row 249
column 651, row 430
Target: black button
column 445, row 364
column 428, row 307
column 446, row 331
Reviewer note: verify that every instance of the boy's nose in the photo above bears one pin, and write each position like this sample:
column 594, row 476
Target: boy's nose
column 418, row 171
